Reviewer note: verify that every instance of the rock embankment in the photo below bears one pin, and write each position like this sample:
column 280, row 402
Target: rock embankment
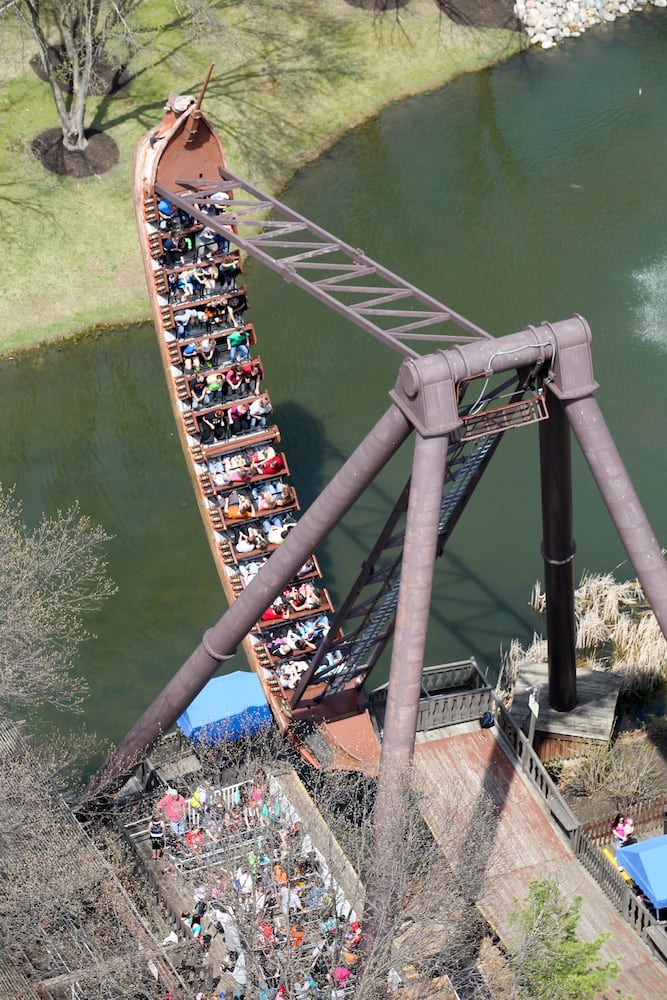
column 547, row 22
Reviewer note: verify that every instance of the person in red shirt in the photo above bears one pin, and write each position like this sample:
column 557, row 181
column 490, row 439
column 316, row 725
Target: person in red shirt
column 253, row 373
column 270, row 465
column 353, row 938
column 276, row 611
column 233, row 380
column 174, row 807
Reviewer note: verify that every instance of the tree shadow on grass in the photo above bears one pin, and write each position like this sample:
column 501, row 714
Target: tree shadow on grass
column 109, row 75
column 481, row 13
column 473, row 13
column 272, row 56
column 378, row 6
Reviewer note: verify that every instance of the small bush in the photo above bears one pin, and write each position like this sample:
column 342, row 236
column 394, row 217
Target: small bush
column 635, row 773
column 588, row 775
column 554, row 769
column 629, row 772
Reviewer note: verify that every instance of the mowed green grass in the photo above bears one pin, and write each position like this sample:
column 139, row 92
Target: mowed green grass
column 290, row 77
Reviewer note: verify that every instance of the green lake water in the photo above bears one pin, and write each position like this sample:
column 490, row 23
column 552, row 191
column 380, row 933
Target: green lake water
column 523, row 193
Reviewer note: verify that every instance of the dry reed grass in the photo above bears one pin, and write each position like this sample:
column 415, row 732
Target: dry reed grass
column 615, row 630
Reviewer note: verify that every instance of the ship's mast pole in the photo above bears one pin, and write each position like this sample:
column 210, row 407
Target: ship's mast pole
column 198, row 102
column 191, row 126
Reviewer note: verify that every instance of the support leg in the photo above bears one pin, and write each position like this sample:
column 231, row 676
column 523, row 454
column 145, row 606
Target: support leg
column 622, row 502
column 220, row 642
column 558, row 553
column 407, row 664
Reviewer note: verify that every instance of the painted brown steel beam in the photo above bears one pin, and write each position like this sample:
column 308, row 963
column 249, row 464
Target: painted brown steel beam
column 621, row 501
column 220, row 642
column 558, row 553
column 405, row 680
column 424, row 397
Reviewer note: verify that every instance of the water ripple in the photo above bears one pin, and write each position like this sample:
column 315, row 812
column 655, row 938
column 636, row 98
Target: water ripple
column 651, row 310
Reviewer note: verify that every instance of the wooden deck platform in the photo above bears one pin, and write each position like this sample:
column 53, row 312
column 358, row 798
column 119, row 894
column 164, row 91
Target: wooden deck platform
column 349, row 731
column 592, row 719
column 463, row 768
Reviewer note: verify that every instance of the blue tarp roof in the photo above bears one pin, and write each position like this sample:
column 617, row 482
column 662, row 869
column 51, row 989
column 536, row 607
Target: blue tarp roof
column 226, row 709
column 646, row 864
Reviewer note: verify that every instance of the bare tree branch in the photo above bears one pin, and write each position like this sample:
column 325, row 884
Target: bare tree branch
column 52, row 577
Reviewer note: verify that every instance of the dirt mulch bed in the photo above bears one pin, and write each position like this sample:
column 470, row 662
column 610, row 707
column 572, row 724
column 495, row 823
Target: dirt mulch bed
column 100, row 155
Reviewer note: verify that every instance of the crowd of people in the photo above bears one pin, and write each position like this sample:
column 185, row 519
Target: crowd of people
column 215, row 316
column 232, row 419
column 215, row 342
column 257, row 884
column 225, row 419
column 203, row 281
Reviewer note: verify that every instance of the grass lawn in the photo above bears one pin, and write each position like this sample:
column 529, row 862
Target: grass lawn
column 290, row 77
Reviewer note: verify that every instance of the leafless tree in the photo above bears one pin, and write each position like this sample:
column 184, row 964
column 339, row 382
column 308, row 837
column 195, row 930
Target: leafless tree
column 52, row 576
column 635, row 772
column 80, row 41
column 628, row 771
column 73, row 37
column 587, row 775
column 63, row 914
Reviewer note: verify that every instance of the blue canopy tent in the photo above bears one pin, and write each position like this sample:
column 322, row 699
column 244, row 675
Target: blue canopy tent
column 646, row 864
column 226, row 709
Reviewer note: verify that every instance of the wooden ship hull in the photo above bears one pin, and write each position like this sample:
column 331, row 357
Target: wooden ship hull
column 190, row 303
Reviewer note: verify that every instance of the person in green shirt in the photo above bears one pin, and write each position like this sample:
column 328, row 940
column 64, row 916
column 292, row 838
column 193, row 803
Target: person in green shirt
column 214, row 386
column 237, row 342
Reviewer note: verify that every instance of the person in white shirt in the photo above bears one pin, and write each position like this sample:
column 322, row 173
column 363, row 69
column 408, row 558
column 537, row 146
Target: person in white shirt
column 259, row 410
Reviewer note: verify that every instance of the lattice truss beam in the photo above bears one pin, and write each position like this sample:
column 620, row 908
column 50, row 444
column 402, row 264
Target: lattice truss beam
column 342, row 277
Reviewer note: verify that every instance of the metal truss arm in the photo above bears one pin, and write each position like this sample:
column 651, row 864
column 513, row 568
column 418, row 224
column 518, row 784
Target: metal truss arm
column 341, row 276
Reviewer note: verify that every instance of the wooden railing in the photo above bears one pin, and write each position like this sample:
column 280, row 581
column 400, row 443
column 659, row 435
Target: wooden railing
column 641, row 918
column 453, row 693
column 152, row 884
column 587, row 851
column 462, row 674
column 449, row 709
column 646, row 816
column 535, row 772
column 459, row 692
column 607, row 877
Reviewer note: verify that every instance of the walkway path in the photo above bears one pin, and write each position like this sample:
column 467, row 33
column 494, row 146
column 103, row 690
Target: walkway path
column 472, row 783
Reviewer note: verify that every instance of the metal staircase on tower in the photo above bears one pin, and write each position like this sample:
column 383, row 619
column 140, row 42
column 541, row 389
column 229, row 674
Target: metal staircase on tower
column 365, row 621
